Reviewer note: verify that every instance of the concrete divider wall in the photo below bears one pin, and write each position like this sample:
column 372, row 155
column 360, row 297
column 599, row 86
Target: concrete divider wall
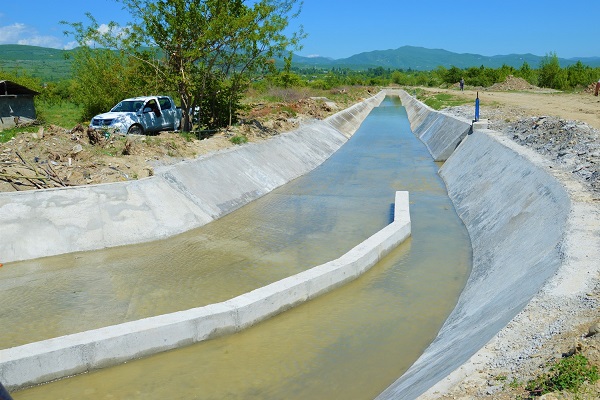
column 178, row 198
column 516, row 214
column 46, row 360
column 441, row 133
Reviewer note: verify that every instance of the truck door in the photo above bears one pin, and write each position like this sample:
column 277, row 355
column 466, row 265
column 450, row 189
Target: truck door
column 168, row 113
column 151, row 118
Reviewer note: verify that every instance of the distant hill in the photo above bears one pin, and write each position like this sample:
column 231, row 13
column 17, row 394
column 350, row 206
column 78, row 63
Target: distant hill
column 42, row 62
column 22, row 52
column 53, row 64
column 420, row 58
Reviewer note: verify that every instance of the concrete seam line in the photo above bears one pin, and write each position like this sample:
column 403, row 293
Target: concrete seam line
column 55, row 358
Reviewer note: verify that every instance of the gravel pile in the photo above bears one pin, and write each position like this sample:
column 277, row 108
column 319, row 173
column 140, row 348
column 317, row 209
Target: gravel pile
column 574, row 145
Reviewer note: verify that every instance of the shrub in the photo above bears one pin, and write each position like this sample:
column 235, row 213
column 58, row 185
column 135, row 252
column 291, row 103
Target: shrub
column 238, row 139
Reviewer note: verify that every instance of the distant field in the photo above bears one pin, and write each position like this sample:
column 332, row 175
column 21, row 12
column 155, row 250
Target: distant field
column 46, row 70
column 49, row 65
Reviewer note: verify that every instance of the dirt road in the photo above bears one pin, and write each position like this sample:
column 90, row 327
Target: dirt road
column 583, row 107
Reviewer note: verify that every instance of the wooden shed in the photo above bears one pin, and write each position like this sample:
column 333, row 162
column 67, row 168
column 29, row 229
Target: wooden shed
column 16, row 104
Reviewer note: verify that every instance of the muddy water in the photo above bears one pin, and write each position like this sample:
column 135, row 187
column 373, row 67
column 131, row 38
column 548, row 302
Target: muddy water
column 351, row 343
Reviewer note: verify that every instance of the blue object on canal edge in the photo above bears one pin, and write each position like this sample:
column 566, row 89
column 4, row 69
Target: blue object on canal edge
column 477, row 108
column 4, row 394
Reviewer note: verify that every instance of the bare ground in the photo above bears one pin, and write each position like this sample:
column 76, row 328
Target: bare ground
column 54, row 156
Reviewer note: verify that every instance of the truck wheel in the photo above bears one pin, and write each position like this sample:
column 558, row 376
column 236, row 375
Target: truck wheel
column 135, row 130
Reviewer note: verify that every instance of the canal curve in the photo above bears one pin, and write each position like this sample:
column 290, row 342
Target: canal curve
column 404, row 299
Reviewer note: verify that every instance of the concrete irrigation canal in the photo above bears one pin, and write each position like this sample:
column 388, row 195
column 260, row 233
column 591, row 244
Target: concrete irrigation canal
column 340, row 232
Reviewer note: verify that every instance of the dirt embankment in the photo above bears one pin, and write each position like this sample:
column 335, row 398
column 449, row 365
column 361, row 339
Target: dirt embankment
column 52, row 156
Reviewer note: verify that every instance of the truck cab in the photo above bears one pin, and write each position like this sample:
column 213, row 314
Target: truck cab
column 140, row 115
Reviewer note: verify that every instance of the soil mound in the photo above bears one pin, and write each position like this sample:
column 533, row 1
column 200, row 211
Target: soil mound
column 513, row 83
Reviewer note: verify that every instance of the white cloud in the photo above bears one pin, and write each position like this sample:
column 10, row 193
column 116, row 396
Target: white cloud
column 11, row 33
column 70, row 45
column 103, row 28
column 22, row 34
column 114, row 31
column 42, row 41
column 19, row 33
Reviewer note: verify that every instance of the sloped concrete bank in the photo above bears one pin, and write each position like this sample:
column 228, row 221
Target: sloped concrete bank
column 439, row 132
column 516, row 214
column 178, row 198
column 44, row 361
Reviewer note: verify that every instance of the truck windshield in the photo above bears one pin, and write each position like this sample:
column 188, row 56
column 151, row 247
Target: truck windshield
column 127, row 106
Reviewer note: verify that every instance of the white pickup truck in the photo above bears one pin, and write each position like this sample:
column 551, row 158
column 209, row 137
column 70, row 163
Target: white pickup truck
column 140, row 115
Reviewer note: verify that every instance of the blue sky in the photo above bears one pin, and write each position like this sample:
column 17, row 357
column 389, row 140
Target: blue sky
column 341, row 28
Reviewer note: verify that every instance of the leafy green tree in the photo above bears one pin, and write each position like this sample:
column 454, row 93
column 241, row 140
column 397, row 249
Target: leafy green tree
column 527, row 73
column 550, row 74
column 579, row 75
column 193, row 47
column 503, row 72
column 453, row 75
column 101, row 80
column 286, row 78
column 399, row 78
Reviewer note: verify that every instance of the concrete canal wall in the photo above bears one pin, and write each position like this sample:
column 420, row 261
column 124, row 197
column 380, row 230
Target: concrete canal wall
column 439, row 132
column 178, row 198
column 516, row 214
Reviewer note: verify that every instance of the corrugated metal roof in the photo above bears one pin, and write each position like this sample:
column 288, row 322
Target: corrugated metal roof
column 9, row 88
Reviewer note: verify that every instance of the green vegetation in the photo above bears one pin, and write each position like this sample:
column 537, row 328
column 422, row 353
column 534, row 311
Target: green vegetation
column 567, row 374
column 65, row 114
column 45, row 64
column 238, row 139
column 204, row 52
column 7, row 134
column 443, row 100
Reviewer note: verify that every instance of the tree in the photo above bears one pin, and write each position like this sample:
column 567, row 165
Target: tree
column 453, row 75
column 579, row 74
column 550, row 74
column 527, row 73
column 197, row 47
column 286, row 78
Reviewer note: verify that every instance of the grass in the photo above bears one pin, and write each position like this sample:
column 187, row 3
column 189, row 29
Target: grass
column 345, row 95
column 7, row 134
column 438, row 101
column 238, row 139
column 63, row 114
column 567, row 374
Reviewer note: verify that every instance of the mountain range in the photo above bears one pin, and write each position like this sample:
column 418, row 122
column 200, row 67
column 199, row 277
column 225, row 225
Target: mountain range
column 54, row 64
column 423, row 59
